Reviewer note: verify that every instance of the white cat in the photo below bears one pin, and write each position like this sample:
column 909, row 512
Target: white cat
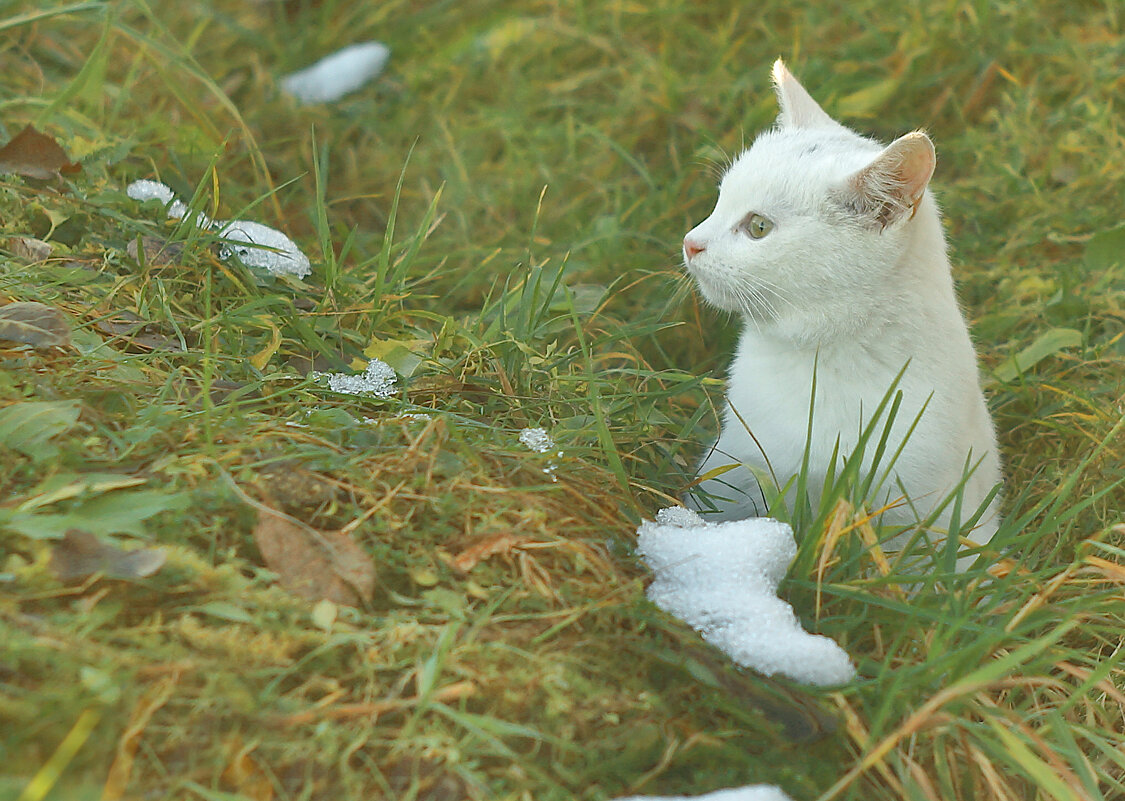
column 831, row 248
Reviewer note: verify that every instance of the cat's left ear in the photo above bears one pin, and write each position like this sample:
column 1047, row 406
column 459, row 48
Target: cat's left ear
column 892, row 185
column 798, row 109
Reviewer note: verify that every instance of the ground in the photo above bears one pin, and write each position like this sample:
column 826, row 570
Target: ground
column 498, row 217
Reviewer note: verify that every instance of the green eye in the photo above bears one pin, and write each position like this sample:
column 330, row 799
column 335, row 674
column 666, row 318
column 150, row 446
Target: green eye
column 756, row 226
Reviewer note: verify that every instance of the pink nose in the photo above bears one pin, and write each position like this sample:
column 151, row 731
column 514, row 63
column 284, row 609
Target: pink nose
column 692, row 248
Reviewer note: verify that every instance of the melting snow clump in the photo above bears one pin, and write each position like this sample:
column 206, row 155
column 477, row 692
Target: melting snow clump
column 537, row 439
column 256, row 245
column 721, row 578
column 338, row 74
column 264, row 247
column 379, row 380
column 753, row 792
column 150, row 190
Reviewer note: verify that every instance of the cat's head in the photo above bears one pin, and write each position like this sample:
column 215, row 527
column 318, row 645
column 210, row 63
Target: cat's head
column 812, row 218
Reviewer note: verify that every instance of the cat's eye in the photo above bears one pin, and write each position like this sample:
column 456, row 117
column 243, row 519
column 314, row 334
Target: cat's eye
column 756, row 226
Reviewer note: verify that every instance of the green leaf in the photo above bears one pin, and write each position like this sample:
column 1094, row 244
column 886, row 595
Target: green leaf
column 27, row 427
column 400, row 354
column 224, row 610
column 1047, row 344
column 112, row 513
column 64, row 486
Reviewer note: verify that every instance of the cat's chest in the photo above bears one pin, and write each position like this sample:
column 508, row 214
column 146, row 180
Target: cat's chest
column 770, row 386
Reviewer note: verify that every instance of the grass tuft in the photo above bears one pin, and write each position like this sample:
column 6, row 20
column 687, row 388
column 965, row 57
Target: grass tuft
column 498, row 217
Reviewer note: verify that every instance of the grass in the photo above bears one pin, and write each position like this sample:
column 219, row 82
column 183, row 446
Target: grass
column 498, row 217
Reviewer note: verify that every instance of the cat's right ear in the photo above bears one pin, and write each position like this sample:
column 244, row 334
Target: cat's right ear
column 892, row 185
column 798, row 109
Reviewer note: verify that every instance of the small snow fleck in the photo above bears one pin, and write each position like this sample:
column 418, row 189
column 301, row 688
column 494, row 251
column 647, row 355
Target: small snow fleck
column 264, row 247
column 721, row 579
column 150, row 190
column 338, row 74
column 537, row 439
column 379, row 380
column 753, row 792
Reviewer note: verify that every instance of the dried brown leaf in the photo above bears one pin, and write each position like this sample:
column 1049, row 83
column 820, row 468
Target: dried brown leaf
column 136, row 331
column 297, row 491
column 35, row 155
column 80, row 554
column 35, row 324
column 29, row 248
column 489, row 546
column 315, row 564
column 157, row 252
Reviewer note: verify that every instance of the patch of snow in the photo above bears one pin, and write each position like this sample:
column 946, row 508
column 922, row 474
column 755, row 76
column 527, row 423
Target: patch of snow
column 264, row 247
column 338, row 74
column 150, row 190
column 379, row 380
column 256, row 245
column 679, row 516
column 537, row 439
column 721, row 579
column 753, row 792
column 178, row 209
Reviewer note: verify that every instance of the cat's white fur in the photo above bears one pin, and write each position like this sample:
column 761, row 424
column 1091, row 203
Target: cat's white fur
column 854, row 281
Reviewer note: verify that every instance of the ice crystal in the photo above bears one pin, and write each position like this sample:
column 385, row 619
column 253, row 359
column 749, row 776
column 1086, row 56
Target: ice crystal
column 537, row 439
column 379, row 380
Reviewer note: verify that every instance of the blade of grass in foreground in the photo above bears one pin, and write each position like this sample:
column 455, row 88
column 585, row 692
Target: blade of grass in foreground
column 975, row 681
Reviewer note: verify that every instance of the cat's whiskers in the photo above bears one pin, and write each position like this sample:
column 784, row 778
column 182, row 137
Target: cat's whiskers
column 752, row 298
column 747, row 299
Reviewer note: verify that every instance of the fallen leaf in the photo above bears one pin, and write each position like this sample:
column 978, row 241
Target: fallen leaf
column 157, row 252
column 262, row 357
column 122, row 768
column 35, row 155
column 27, row 427
column 489, row 546
column 290, row 488
column 136, row 331
column 35, row 324
column 1046, row 344
column 315, row 564
column 80, row 554
column 29, row 248
column 244, row 775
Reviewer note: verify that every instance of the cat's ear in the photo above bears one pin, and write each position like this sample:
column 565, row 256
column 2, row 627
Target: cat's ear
column 798, row 109
column 893, row 184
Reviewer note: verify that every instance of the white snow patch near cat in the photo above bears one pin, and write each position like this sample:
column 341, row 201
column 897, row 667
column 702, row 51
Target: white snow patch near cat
column 150, row 190
column 256, row 245
column 721, row 579
column 379, row 379
column 338, row 74
column 753, row 792
column 537, row 439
